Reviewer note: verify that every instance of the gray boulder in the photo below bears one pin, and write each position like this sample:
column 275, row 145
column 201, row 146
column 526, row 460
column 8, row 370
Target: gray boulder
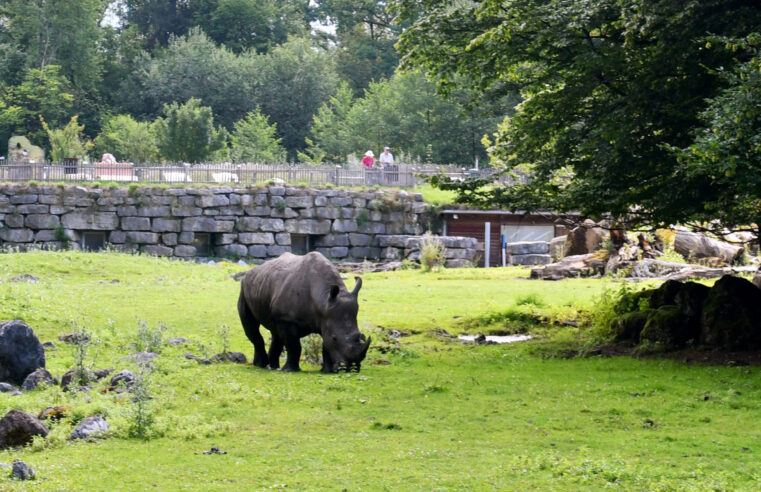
column 17, row 428
column 5, row 387
column 20, row 352
column 90, row 427
column 124, row 377
column 22, row 471
column 37, row 378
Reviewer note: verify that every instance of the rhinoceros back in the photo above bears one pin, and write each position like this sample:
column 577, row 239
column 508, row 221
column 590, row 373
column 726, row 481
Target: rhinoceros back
column 290, row 288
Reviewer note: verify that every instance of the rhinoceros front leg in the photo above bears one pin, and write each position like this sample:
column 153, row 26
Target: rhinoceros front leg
column 276, row 348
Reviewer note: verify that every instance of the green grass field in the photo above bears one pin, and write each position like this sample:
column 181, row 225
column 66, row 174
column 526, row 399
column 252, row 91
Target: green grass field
column 427, row 412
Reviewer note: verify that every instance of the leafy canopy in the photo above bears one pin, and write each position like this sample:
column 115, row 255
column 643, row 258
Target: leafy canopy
column 608, row 88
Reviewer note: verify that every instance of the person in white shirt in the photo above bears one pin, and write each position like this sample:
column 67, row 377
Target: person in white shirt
column 386, row 158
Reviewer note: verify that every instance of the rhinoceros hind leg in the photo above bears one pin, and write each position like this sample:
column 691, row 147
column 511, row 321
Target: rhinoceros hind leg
column 251, row 328
column 276, row 348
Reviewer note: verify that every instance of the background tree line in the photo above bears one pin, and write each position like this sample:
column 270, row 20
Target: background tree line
column 244, row 80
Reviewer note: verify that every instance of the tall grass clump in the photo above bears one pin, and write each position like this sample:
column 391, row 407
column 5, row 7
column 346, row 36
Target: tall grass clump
column 80, row 343
column 432, row 252
column 149, row 339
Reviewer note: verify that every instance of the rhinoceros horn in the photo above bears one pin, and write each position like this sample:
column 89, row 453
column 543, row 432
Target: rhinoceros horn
column 357, row 286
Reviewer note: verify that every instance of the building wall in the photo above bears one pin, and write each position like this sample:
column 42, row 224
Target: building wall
column 473, row 225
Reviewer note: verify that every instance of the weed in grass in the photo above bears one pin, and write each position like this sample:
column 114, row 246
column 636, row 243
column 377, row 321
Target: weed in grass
column 432, row 252
column 80, row 344
column 149, row 339
column 141, row 416
column 224, row 338
column 311, row 348
column 532, row 299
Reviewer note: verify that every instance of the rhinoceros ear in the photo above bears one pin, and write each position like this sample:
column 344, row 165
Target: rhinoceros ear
column 357, row 286
column 334, row 290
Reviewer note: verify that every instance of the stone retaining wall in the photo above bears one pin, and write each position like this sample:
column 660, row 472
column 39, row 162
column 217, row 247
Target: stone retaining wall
column 252, row 223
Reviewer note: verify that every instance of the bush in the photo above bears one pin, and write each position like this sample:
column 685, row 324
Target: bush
column 431, row 252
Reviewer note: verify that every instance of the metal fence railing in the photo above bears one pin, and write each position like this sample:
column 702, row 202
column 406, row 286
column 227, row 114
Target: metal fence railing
column 393, row 176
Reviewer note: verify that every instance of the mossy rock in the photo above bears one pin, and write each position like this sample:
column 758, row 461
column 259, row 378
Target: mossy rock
column 666, row 294
column 731, row 317
column 665, row 326
column 630, row 326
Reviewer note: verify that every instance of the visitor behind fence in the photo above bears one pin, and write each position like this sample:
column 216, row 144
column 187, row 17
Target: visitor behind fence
column 386, row 158
column 368, row 160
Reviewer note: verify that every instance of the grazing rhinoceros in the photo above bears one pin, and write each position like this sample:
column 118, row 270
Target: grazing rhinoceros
column 293, row 296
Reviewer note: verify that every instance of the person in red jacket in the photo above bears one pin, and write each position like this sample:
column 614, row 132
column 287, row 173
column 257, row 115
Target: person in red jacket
column 368, row 160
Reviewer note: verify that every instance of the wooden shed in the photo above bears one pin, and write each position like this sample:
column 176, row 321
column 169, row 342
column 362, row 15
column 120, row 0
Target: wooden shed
column 488, row 226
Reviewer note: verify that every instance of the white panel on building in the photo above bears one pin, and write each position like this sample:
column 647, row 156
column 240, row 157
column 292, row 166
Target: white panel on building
column 521, row 233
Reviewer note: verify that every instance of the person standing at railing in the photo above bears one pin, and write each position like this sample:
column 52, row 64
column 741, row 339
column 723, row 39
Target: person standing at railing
column 368, row 160
column 386, row 160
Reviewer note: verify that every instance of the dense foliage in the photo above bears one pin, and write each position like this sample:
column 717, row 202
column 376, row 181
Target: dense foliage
column 611, row 91
column 128, row 59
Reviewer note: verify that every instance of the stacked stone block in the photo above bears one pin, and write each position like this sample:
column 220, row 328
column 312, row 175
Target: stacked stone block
column 255, row 223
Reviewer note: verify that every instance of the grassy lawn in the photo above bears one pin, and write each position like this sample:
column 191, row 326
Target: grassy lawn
column 426, row 413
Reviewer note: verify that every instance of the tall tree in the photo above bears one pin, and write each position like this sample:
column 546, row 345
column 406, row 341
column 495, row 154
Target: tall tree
column 127, row 140
column 187, row 133
column 606, row 87
column 42, row 93
column 251, row 24
column 365, row 35
column 291, row 83
column 253, row 140
column 157, row 20
column 406, row 113
column 193, row 66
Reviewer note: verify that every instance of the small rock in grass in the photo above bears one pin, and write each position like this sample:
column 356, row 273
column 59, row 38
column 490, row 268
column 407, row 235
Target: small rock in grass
column 54, row 413
column 101, row 373
column 126, row 377
column 22, row 471
column 143, row 357
column 177, row 341
column 26, row 277
column 49, row 346
column 73, row 338
column 37, row 378
column 214, row 450
column 200, row 360
column 16, row 393
column 89, row 427
column 6, row 387
column 234, row 357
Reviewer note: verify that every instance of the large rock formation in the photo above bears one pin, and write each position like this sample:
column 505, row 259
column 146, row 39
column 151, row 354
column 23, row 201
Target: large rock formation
column 584, row 239
column 726, row 316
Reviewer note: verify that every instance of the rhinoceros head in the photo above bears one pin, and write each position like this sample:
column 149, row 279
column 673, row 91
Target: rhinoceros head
column 343, row 346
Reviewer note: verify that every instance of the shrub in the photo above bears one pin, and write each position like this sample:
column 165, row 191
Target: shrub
column 431, row 252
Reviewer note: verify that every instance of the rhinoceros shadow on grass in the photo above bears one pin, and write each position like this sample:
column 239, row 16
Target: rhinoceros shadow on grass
column 293, row 296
